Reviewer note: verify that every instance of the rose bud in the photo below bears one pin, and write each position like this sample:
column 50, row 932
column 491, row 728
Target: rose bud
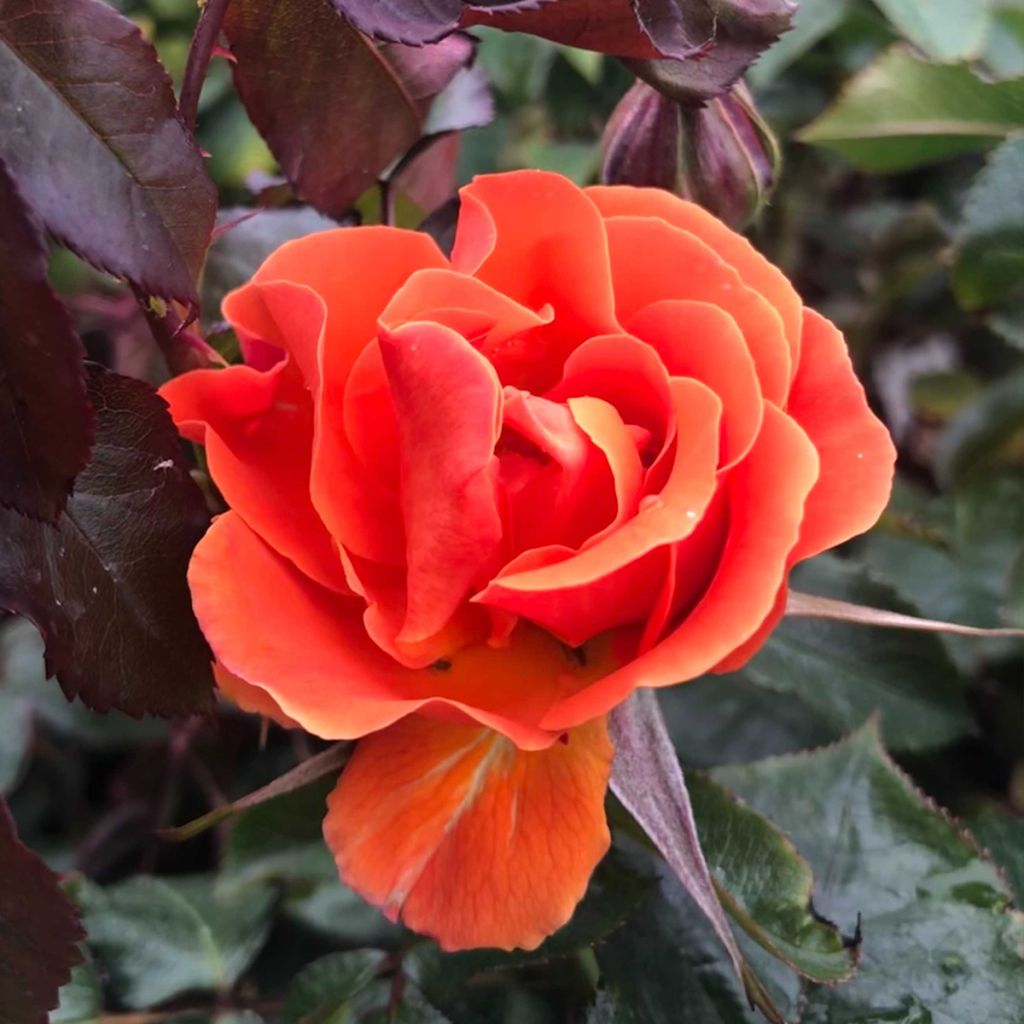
column 477, row 501
column 721, row 155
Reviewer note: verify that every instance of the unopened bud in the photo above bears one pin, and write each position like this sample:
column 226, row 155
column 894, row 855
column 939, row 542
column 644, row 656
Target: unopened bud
column 721, row 155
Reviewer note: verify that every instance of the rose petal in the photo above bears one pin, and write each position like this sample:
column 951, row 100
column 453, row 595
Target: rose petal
column 306, row 646
column 857, row 454
column 448, row 407
column 535, row 237
column 258, row 432
column 609, row 582
column 250, row 698
column 766, row 497
column 450, row 298
column 653, row 261
column 355, row 272
column 755, row 271
column 467, row 839
column 698, row 340
column 628, row 374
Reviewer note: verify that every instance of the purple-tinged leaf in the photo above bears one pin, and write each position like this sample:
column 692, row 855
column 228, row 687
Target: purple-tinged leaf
column 45, row 417
column 332, row 110
column 91, row 135
column 648, row 781
column 106, row 585
column 426, row 71
column 39, row 931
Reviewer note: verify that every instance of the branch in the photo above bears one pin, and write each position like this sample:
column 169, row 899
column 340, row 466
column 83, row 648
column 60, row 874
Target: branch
column 204, row 39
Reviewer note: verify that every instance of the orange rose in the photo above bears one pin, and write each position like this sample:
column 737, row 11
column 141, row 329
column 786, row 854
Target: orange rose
column 476, row 502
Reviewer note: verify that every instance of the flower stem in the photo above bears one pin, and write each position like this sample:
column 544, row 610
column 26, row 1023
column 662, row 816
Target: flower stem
column 204, row 39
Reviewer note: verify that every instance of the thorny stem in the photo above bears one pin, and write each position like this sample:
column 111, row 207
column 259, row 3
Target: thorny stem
column 204, row 39
column 182, row 350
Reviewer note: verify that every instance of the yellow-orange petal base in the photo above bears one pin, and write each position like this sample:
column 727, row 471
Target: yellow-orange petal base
column 464, row 837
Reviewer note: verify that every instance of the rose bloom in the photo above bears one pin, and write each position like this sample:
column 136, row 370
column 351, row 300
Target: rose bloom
column 475, row 502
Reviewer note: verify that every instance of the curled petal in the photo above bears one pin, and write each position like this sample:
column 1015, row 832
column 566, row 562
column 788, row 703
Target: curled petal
column 535, row 237
column 574, row 593
column 857, row 454
column 766, row 495
column 465, row 838
column 755, row 271
column 448, row 406
column 258, row 432
column 698, row 340
column 653, row 261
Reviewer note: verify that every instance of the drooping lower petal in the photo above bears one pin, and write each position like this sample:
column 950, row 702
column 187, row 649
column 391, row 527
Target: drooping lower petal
column 766, row 495
column 463, row 837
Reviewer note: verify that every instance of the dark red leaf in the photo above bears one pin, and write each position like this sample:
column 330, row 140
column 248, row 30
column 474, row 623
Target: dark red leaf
column 39, row 931
column 45, row 418
column 332, row 110
column 106, row 586
column 91, row 135
column 712, row 41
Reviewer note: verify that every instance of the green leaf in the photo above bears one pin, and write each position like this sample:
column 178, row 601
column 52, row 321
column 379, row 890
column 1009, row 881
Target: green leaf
column 336, row 912
column 940, row 942
column 946, row 30
column 345, row 988
column 666, row 964
column 160, row 937
column 849, row 671
column 974, row 441
column 281, row 840
column 1003, row 838
column 1004, row 48
column 903, row 112
column 81, row 999
column 729, row 718
column 813, row 21
column 324, row 990
column 767, row 884
column 989, row 266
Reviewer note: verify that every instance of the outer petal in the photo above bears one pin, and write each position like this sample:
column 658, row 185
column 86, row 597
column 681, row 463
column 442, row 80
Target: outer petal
column 250, row 698
column 653, row 261
column 536, row 237
column 755, row 271
column 355, row 272
column 467, row 839
column 766, row 498
column 857, row 454
column 258, row 433
column 307, row 648
column 857, row 457
column 696, row 339
column 448, row 406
